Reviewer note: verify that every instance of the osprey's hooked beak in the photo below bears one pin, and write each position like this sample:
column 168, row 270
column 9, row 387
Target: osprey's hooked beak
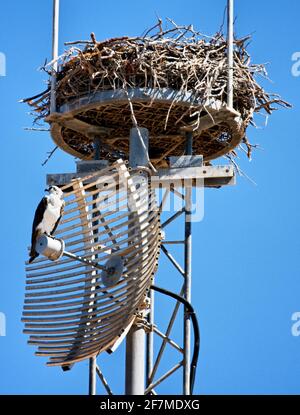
column 48, row 189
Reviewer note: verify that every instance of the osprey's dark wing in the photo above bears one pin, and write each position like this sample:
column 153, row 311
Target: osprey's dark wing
column 57, row 222
column 39, row 214
column 38, row 217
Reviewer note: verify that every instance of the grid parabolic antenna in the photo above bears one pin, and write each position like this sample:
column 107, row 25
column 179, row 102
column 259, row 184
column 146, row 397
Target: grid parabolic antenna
column 68, row 312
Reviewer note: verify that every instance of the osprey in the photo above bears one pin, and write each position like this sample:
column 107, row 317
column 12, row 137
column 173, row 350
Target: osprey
column 47, row 217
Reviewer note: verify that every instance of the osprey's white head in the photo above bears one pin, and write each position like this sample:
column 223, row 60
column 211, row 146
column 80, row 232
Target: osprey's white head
column 55, row 191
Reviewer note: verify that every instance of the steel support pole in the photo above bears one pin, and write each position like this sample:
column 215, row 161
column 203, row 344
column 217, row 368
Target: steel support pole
column 135, row 361
column 230, row 23
column 135, row 340
column 93, row 360
column 97, row 148
column 55, row 29
column 92, row 375
column 150, row 340
column 187, row 273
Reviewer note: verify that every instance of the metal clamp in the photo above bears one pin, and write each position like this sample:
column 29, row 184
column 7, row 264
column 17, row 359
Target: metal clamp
column 54, row 249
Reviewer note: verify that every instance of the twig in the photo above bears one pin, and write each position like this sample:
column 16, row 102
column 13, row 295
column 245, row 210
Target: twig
column 240, row 171
column 35, row 129
column 50, row 154
column 158, row 24
column 78, row 42
column 35, row 96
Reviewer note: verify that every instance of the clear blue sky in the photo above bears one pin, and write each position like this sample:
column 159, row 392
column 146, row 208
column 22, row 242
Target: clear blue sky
column 246, row 279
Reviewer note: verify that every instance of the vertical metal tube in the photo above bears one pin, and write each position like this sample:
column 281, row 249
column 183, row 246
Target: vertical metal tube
column 135, row 361
column 135, row 340
column 93, row 360
column 189, row 144
column 92, row 375
column 97, row 148
column 187, row 273
column 150, row 340
column 230, row 22
column 55, row 28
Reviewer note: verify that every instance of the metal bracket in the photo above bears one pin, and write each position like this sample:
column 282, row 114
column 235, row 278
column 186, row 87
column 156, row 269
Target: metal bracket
column 54, row 249
column 185, row 161
column 182, row 168
column 207, row 176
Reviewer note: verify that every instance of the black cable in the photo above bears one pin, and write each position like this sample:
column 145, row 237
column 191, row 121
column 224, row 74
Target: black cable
column 193, row 316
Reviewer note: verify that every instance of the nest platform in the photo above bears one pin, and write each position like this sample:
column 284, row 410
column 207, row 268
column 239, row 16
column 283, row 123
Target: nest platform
column 166, row 113
column 169, row 82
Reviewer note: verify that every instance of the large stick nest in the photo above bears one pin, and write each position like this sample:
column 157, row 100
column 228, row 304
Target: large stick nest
column 179, row 58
